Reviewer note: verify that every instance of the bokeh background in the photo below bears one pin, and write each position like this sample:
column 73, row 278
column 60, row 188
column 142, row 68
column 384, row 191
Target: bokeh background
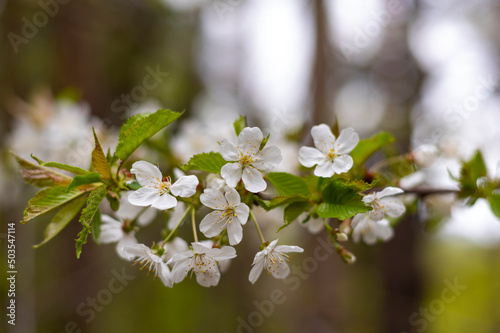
column 426, row 71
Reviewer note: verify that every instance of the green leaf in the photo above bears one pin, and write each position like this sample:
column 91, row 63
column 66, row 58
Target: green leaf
column 90, row 178
column 140, row 128
column 279, row 201
column 99, row 159
column 340, row 201
column 470, row 172
column 240, row 124
column 367, row 147
column 292, row 211
column 134, row 185
column 39, row 175
column 93, row 201
column 96, row 226
column 65, row 215
column 65, row 167
column 88, row 216
column 263, row 143
column 49, row 199
column 209, row 162
column 494, row 200
column 82, row 239
column 288, row 184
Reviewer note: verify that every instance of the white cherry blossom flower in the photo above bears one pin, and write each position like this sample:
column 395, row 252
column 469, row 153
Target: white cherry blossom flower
column 330, row 155
column 112, row 232
column 159, row 192
column 229, row 212
column 149, row 259
column 370, row 230
column 313, row 225
column 274, row 260
column 249, row 160
column 384, row 204
column 202, row 260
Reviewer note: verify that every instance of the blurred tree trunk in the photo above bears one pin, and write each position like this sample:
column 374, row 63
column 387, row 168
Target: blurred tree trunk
column 396, row 72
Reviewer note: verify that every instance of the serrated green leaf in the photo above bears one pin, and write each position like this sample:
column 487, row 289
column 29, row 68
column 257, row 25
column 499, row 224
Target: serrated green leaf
column 65, row 167
column 99, row 159
column 494, row 200
column 89, row 216
column 140, row 128
column 134, row 185
column 209, row 162
column 64, row 216
column 49, row 199
column 340, row 201
column 288, row 184
column 356, row 185
column 240, row 124
column 279, row 201
column 293, row 211
column 92, row 177
column 82, row 239
column 367, row 147
column 96, row 226
column 39, row 175
column 93, row 201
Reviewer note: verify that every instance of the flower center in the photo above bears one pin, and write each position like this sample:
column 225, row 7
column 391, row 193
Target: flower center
column 246, row 160
column 164, row 186
column 330, row 156
column 274, row 260
column 202, row 264
column 228, row 214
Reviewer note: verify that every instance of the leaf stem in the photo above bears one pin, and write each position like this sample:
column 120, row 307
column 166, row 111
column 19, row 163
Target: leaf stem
column 176, row 227
column 194, row 226
column 258, row 228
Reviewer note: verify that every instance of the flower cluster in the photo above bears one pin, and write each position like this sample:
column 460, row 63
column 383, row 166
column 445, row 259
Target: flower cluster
column 248, row 159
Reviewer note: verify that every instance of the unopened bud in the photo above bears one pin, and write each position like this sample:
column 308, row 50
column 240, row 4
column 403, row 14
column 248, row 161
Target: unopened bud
column 346, row 256
column 340, row 236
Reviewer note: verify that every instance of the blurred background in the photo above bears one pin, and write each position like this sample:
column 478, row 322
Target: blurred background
column 426, row 71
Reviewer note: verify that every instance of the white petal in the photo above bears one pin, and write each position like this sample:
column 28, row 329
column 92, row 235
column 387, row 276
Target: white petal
column 324, row 169
column 146, row 173
column 309, row 156
column 253, row 180
column 225, row 253
column 347, row 140
column 369, row 236
column 368, row 199
column 288, row 248
column 271, row 245
column 234, row 232
column 164, row 202
column 111, row 230
column 342, row 163
column 213, row 198
column 212, row 224
column 392, row 207
column 199, row 247
column 232, row 196
column 180, row 256
column 229, row 151
column 242, row 211
column 164, row 274
column 144, row 196
column 356, row 219
column 137, row 250
column 314, row 226
column 389, row 191
column 179, row 271
column 146, row 217
column 231, row 172
column 250, row 138
column 256, row 270
column 185, row 186
column 268, row 158
column 323, row 137
column 208, row 278
column 128, row 240
column 383, row 230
